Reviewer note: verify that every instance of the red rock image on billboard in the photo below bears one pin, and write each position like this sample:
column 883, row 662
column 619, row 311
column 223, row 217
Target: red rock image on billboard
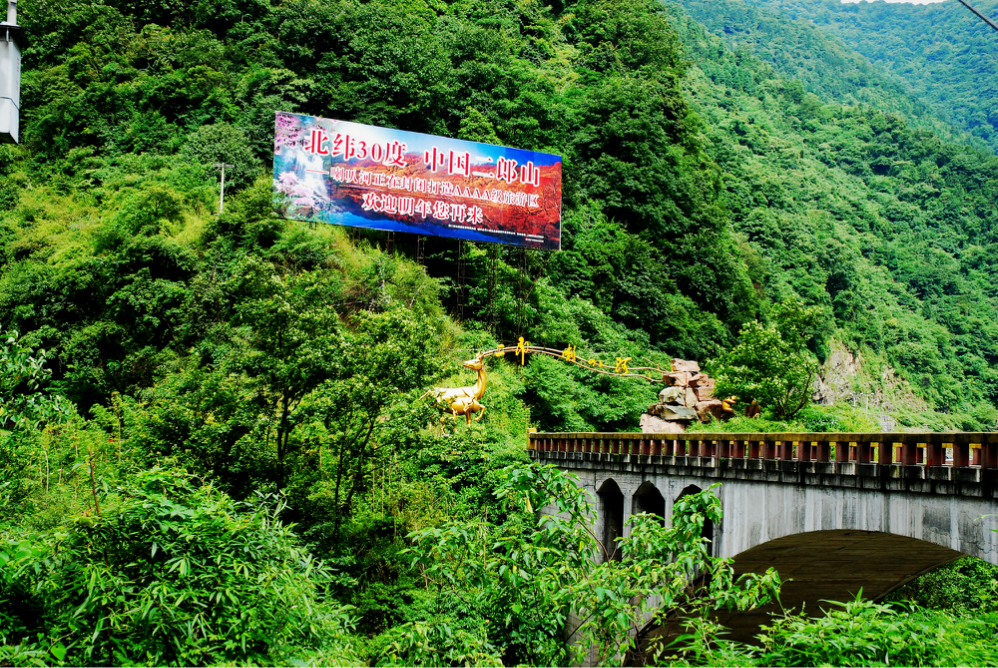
column 364, row 176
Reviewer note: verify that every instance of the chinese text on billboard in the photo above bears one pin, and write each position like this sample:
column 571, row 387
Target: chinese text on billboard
column 364, row 176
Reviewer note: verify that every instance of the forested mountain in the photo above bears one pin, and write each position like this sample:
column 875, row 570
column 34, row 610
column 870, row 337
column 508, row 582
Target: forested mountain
column 946, row 56
column 819, row 187
column 216, row 445
column 171, row 85
column 798, row 49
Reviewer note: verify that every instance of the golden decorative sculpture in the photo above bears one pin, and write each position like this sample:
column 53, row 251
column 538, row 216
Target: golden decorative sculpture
column 522, row 348
column 464, row 400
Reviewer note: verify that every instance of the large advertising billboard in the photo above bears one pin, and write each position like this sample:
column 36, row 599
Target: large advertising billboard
column 345, row 173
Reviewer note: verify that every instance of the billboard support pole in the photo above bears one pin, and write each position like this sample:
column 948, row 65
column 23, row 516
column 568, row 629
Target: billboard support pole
column 420, row 248
column 493, row 315
column 221, row 188
column 390, row 243
column 460, row 279
column 521, row 296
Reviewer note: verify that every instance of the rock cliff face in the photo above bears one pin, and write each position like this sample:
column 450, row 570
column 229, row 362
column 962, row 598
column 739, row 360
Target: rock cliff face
column 834, row 383
column 869, row 383
column 690, row 396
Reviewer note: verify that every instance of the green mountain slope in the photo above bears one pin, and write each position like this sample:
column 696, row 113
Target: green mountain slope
column 818, row 58
column 885, row 224
column 124, row 105
column 214, row 376
column 680, row 226
column 946, row 56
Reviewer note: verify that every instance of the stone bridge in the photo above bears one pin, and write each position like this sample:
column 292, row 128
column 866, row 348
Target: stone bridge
column 833, row 513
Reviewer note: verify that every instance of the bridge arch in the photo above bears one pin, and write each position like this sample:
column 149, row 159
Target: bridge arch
column 885, row 510
column 708, row 525
column 832, row 565
column 647, row 499
column 757, row 513
column 610, row 518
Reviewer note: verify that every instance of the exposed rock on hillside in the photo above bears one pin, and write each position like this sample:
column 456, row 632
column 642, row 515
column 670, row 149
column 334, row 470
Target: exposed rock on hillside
column 690, row 396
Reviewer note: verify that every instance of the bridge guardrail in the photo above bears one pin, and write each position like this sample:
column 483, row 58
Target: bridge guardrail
column 969, row 449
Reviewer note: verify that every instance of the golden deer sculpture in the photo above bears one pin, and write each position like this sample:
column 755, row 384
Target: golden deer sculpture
column 464, row 400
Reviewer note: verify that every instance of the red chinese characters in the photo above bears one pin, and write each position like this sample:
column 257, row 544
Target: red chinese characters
column 390, row 179
column 506, row 170
column 459, row 163
column 475, row 215
column 530, row 174
column 441, row 210
column 348, row 147
column 457, row 212
column 388, row 204
column 435, row 159
column 314, row 143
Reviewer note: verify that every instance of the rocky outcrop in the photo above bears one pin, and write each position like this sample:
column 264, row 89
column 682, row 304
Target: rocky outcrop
column 870, row 384
column 675, row 412
column 672, row 395
column 685, row 365
column 703, row 386
column 689, row 396
column 710, row 408
column 656, row 425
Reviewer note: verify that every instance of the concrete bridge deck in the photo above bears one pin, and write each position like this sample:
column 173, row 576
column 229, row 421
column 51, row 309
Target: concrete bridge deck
column 833, row 513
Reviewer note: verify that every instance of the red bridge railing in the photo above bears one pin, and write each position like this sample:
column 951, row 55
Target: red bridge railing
column 899, row 449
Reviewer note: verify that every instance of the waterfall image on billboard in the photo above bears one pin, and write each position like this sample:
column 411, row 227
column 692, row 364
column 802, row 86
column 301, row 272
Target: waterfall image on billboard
column 357, row 175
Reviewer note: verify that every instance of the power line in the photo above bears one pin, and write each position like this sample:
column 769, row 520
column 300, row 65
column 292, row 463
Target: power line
column 982, row 16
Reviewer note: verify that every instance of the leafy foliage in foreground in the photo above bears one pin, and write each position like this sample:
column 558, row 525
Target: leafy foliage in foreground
column 539, row 594
column 169, row 571
column 861, row 633
column 967, row 586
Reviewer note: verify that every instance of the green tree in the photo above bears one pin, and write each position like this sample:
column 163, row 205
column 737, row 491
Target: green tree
column 294, row 344
column 25, row 406
column 169, row 571
column 221, row 142
column 24, row 403
column 965, row 586
column 771, row 363
column 519, row 587
column 370, row 403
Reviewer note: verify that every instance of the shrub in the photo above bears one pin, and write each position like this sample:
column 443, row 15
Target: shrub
column 771, row 363
column 170, row 572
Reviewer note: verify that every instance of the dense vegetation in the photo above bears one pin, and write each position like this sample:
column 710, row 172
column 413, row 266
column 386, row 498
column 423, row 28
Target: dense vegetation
column 941, row 53
column 214, row 448
column 817, row 57
column 844, row 207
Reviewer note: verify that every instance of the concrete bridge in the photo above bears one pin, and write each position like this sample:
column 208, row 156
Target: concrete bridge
column 833, row 513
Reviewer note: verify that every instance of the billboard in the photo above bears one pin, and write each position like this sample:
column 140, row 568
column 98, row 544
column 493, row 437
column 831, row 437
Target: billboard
column 357, row 175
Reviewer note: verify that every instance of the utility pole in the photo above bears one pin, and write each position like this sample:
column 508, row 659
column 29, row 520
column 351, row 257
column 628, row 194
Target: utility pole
column 12, row 40
column 221, row 189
